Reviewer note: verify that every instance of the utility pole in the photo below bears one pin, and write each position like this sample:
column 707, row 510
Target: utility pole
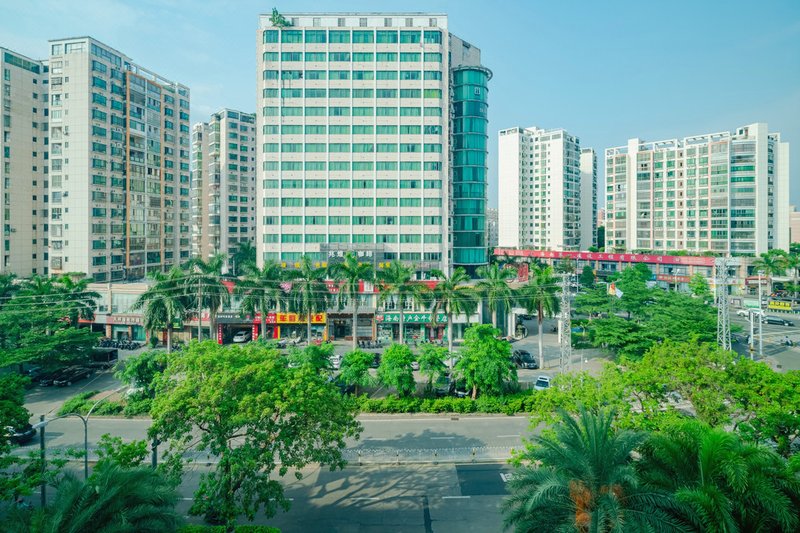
column 566, row 324
column 723, row 309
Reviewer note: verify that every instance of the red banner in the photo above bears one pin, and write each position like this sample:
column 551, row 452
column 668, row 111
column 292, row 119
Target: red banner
column 607, row 256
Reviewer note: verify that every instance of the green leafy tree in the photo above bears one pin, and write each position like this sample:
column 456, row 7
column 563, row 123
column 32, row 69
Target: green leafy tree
column 316, row 355
column 126, row 500
column 114, row 450
column 601, row 238
column 495, row 289
column 308, row 293
column 593, row 302
column 485, row 362
column 723, row 484
column 586, row 279
column 395, row 285
column 243, row 258
column 140, row 371
column 260, row 417
column 453, row 296
column 351, row 272
column 431, row 362
column 699, row 286
column 204, row 287
column 582, row 478
column 395, row 369
column 540, row 296
column 8, row 287
column 354, row 369
column 261, row 292
column 164, row 303
column 636, row 296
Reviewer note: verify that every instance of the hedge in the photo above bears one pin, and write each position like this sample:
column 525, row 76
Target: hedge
column 509, row 404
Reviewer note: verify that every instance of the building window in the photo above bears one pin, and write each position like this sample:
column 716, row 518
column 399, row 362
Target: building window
column 362, row 22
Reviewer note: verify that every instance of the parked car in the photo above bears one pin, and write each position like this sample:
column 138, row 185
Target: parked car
column 542, row 383
column 343, row 387
column 446, row 386
column 336, row 361
column 524, row 359
column 776, row 320
column 376, row 361
column 242, row 336
column 104, row 357
column 47, row 379
column 414, row 365
column 76, row 374
column 21, row 435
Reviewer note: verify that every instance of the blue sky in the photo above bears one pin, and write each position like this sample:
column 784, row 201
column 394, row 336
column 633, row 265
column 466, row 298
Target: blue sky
column 604, row 70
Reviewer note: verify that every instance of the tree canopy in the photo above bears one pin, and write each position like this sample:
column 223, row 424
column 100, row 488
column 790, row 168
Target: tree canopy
column 259, row 416
column 485, row 362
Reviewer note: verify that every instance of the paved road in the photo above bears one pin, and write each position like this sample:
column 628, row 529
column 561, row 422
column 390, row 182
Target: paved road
column 787, row 357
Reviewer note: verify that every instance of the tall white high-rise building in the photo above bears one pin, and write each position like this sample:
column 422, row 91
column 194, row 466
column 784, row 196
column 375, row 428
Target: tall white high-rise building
column 119, row 164
column 724, row 192
column 372, row 137
column 588, row 168
column 544, row 191
column 23, row 164
column 223, row 183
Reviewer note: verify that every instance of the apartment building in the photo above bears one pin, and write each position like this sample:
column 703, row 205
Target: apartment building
column 546, row 185
column 372, row 137
column 223, row 183
column 724, row 192
column 589, row 215
column 119, row 164
column 23, row 164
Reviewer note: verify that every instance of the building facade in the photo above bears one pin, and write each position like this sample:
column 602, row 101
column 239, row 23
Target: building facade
column 723, row 192
column 794, row 225
column 491, row 227
column 588, row 169
column 545, row 193
column 371, row 138
column 223, row 183
column 119, row 164
column 23, row 164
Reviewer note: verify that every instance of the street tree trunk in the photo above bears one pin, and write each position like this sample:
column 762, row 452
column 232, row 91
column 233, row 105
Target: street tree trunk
column 400, row 309
column 355, row 321
column 308, row 329
column 264, row 324
column 541, row 339
column 450, row 340
column 494, row 318
column 169, row 338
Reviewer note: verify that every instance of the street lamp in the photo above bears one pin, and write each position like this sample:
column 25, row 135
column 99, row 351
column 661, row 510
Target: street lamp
column 42, row 424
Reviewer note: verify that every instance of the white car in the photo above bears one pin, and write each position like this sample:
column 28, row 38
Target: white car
column 336, row 361
column 542, row 383
column 242, row 336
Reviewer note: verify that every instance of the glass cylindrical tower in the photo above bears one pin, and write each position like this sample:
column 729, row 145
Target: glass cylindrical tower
column 469, row 133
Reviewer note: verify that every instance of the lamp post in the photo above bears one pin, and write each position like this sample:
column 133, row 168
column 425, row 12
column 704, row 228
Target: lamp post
column 760, row 322
column 42, row 424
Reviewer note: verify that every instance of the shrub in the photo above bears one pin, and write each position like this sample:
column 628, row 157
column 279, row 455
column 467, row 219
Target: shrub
column 509, row 404
column 75, row 404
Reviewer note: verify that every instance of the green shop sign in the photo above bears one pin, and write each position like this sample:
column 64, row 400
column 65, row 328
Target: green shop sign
column 410, row 318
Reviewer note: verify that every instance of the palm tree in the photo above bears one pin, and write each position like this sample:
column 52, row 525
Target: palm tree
column 396, row 285
column 352, row 272
column 772, row 263
column 308, row 293
column 244, row 255
column 724, row 484
column 495, row 288
column 452, row 296
column 260, row 291
column 112, row 499
column 539, row 296
column 79, row 301
column 582, row 479
column 42, row 292
column 792, row 265
column 204, row 285
column 164, row 303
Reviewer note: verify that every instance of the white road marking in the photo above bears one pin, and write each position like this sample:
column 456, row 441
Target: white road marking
column 442, row 438
column 507, row 436
column 456, row 497
column 363, row 498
